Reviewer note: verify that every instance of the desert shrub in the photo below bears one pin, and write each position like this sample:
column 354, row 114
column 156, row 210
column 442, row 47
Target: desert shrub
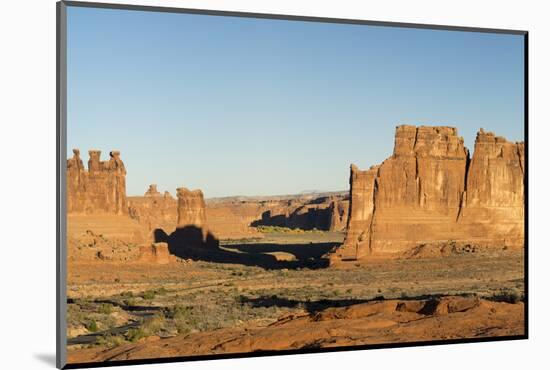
column 182, row 327
column 179, row 312
column 148, row 294
column 135, row 334
column 91, row 326
column 109, row 340
column 278, row 229
column 130, row 302
column 74, row 314
column 183, row 318
column 161, row 291
column 105, row 308
column 154, row 325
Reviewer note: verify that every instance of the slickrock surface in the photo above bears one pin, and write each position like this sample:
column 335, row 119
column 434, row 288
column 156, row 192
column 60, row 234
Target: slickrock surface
column 100, row 189
column 375, row 322
column 430, row 191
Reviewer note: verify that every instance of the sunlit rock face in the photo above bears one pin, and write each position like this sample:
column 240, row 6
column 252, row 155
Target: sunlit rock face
column 100, row 189
column 430, row 191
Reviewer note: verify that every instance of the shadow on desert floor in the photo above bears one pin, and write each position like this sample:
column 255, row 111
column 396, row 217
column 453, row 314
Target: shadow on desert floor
column 193, row 243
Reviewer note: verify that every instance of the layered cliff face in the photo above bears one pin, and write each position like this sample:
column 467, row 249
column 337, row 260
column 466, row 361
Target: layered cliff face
column 361, row 211
column 323, row 213
column 419, row 188
column 100, row 189
column 493, row 203
column 429, row 191
column 338, row 214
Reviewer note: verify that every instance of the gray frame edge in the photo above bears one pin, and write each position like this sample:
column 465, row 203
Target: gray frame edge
column 61, row 214
column 288, row 17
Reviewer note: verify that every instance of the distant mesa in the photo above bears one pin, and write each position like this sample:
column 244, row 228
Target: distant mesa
column 430, row 190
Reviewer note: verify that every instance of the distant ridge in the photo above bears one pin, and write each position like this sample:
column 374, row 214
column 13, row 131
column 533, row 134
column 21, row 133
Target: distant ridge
column 257, row 198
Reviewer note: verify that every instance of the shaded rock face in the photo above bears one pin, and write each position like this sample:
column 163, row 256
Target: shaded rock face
column 191, row 230
column 338, row 214
column 232, row 219
column 361, row 210
column 429, row 191
column 323, row 213
column 100, row 189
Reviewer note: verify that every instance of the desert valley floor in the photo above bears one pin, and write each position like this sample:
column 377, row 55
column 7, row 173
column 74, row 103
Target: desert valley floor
column 200, row 308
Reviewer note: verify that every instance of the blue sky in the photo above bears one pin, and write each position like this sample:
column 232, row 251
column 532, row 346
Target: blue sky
column 240, row 106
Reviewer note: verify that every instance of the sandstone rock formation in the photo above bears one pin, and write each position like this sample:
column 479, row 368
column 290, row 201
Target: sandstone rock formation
column 374, row 322
column 492, row 208
column 338, row 214
column 156, row 253
column 154, row 210
column 323, row 213
column 191, row 208
column 152, row 191
column 232, row 219
column 235, row 217
column 429, row 191
column 191, row 230
column 100, row 189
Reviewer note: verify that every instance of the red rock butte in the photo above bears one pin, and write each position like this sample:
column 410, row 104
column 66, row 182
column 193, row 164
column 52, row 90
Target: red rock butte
column 430, row 191
column 100, row 189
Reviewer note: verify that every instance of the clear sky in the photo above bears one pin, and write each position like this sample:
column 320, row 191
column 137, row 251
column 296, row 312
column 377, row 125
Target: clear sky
column 240, row 106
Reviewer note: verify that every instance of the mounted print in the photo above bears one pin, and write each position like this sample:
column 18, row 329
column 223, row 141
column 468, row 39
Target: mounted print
column 235, row 184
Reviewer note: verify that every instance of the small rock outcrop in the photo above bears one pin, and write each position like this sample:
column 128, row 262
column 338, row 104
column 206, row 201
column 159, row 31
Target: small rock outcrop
column 156, row 253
